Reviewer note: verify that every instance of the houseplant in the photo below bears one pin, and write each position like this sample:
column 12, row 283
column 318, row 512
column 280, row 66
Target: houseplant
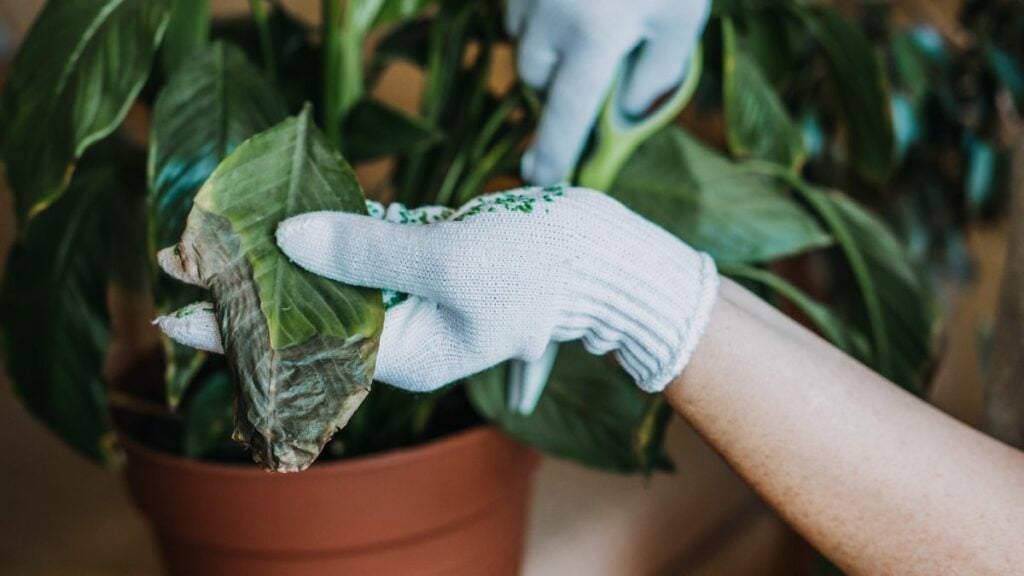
column 93, row 204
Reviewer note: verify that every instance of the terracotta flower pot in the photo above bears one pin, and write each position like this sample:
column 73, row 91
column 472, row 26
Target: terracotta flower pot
column 454, row 506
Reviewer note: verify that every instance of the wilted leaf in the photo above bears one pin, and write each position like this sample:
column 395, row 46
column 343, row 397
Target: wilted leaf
column 758, row 124
column 208, row 107
column 591, row 411
column 54, row 316
column 72, row 82
column 713, row 204
column 301, row 347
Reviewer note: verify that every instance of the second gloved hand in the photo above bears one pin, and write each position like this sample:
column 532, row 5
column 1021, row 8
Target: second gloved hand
column 500, row 279
column 572, row 49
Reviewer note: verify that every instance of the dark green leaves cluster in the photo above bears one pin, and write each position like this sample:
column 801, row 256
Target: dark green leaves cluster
column 591, row 412
column 77, row 73
column 801, row 88
column 715, row 205
column 54, row 314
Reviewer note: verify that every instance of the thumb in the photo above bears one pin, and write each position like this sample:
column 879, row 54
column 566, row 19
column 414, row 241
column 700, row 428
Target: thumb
column 363, row 251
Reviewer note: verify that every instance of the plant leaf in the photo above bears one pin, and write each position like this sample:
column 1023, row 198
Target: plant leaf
column 862, row 90
column 757, row 123
column 301, row 347
column 393, row 11
column 898, row 302
column 832, row 327
column 207, row 418
column 297, row 59
column 53, row 311
column 216, row 101
column 72, row 82
column 715, row 205
column 373, row 130
column 187, row 32
column 590, row 412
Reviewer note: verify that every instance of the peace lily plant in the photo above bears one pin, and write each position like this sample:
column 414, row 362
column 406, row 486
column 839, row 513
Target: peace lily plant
column 94, row 204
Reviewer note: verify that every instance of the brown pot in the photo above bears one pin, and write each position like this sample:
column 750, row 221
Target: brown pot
column 454, row 506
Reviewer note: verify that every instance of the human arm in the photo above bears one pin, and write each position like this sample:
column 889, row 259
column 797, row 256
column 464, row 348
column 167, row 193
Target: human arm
column 879, row 481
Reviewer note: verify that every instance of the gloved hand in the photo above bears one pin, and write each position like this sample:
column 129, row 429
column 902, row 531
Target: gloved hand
column 501, row 278
column 572, row 50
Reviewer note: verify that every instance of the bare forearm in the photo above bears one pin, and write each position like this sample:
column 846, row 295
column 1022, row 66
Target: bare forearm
column 879, row 481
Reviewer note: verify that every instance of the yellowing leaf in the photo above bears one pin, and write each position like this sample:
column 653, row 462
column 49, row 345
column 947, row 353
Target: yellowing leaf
column 301, row 347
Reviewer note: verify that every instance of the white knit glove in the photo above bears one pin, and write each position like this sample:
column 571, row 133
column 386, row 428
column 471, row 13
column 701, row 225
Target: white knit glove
column 572, row 50
column 500, row 279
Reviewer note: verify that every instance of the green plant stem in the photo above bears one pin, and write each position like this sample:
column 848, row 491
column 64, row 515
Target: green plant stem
column 343, row 64
column 446, row 46
column 619, row 137
column 865, row 283
column 331, row 16
column 259, row 15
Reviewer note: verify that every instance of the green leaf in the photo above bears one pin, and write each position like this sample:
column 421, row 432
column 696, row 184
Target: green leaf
column 298, row 61
column 898, row 303
column 301, row 347
column 862, row 89
column 208, row 417
column 54, row 315
column 757, row 123
column 373, row 130
column 393, row 11
column 129, row 257
column 769, row 37
column 1010, row 74
column 717, row 206
column 832, row 327
column 591, row 412
column 77, row 73
column 983, row 171
column 183, row 365
column 216, row 101
column 187, row 32
column 911, row 67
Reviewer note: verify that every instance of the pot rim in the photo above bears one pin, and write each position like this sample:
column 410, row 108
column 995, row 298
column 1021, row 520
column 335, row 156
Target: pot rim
column 391, row 458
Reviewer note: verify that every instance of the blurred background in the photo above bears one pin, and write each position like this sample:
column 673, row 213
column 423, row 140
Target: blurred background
column 63, row 515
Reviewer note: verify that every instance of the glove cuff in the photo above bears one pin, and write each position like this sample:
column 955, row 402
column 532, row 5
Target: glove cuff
column 706, row 296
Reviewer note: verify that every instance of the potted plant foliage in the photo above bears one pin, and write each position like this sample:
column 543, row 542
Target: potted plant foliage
column 412, row 482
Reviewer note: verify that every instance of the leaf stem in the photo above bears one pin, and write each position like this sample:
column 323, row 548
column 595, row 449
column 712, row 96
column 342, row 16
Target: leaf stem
column 618, row 137
column 343, row 64
column 259, row 15
column 865, row 283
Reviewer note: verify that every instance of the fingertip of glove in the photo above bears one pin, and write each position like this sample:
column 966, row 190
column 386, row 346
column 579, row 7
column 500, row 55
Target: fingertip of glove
column 297, row 233
column 540, row 172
